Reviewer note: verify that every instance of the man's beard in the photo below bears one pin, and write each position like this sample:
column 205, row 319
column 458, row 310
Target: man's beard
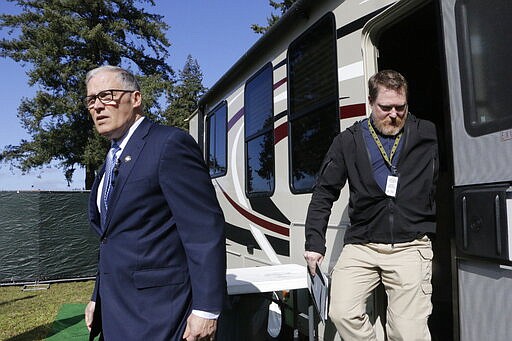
column 390, row 127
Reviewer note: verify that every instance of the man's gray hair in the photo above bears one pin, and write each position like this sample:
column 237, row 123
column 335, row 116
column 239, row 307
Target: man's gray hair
column 126, row 78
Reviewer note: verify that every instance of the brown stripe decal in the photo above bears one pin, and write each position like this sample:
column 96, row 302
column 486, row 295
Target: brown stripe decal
column 352, row 110
column 257, row 220
column 280, row 132
column 281, row 82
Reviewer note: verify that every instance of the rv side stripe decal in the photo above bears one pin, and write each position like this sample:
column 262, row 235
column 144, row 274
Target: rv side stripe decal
column 280, row 115
column 266, row 207
column 235, row 118
column 357, row 24
column 353, row 110
column 280, row 132
column 350, row 71
column 346, row 111
column 257, row 220
column 281, row 63
column 281, row 82
column 244, row 237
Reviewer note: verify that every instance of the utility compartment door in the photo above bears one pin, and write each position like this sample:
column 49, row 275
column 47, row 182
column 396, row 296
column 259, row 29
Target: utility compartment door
column 482, row 220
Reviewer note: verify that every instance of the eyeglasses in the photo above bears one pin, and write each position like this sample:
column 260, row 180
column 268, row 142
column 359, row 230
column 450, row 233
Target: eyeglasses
column 105, row 97
column 388, row 108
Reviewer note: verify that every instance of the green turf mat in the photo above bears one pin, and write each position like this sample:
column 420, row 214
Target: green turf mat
column 69, row 324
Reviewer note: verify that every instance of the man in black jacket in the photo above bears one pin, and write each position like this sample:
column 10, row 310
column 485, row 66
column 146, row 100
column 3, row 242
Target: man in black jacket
column 390, row 162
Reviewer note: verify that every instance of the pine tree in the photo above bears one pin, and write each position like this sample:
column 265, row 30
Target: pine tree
column 279, row 6
column 186, row 94
column 59, row 41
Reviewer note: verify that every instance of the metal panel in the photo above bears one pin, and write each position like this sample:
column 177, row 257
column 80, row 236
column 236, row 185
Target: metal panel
column 483, row 159
column 484, row 301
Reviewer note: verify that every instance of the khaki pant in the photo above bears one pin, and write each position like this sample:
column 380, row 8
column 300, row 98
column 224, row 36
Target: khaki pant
column 405, row 270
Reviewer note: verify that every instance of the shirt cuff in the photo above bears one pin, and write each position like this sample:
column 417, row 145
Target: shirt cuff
column 205, row 314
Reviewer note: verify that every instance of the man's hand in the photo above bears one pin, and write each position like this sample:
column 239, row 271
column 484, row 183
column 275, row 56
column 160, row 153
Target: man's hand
column 89, row 313
column 199, row 329
column 313, row 258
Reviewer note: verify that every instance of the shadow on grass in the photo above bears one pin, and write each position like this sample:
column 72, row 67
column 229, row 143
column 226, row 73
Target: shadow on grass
column 50, row 329
column 17, row 299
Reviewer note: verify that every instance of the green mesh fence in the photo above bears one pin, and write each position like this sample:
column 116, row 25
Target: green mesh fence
column 45, row 236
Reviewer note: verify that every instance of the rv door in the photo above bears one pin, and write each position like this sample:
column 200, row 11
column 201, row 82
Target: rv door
column 477, row 50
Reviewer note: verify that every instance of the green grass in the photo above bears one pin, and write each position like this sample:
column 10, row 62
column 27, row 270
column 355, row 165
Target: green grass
column 28, row 315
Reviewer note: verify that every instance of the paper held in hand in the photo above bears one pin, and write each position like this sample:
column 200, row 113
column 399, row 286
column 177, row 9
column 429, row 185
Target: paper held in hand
column 318, row 286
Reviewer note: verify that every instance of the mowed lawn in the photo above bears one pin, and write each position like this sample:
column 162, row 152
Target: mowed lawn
column 28, row 315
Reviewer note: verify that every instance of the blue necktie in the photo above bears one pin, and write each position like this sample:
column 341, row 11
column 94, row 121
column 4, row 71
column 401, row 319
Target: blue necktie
column 108, row 180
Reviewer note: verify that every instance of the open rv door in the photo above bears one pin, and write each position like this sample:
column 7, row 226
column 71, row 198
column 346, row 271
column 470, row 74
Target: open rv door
column 456, row 55
column 407, row 37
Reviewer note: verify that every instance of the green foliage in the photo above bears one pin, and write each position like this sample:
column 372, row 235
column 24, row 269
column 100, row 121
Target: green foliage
column 282, row 7
column 186, row 94
column 59, row 41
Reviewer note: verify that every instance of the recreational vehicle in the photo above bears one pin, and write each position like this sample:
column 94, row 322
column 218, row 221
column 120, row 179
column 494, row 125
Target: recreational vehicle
column 266, row 124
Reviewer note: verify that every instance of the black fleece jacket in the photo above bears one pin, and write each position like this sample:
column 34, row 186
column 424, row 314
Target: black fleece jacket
column 374, row 216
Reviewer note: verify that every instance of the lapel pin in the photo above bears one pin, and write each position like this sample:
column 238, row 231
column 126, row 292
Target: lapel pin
column 127, row 158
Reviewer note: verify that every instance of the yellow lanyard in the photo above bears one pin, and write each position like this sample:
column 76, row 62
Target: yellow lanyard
column 381, row 147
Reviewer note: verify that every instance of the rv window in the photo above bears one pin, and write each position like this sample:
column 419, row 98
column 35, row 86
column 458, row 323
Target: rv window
column 484, row 31
column 312, row 101
column 312, row 135
column 216, row 123
column 259, row 133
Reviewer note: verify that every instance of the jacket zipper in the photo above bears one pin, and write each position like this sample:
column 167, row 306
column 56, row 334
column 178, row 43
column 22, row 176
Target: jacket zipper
column 391, row 221
column 431, row 192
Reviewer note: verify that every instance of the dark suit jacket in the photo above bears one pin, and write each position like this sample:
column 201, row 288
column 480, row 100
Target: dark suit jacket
column 162, row 251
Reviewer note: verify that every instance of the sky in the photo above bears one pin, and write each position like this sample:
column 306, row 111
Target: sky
column 215, row 32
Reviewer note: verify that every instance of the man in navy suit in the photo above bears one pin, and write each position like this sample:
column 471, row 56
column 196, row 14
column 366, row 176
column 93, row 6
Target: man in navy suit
column 162, row 263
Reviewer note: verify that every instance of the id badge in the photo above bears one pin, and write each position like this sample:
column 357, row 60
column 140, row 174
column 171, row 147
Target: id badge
column 391, row 185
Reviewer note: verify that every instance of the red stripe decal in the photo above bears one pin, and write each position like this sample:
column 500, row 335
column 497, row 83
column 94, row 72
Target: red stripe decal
column 280, row 132
column 257, row 220
column 353, row 110
column 281, row 82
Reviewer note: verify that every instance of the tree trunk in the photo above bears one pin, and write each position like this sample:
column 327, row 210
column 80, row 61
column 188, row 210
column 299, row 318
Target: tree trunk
column 89, row 177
